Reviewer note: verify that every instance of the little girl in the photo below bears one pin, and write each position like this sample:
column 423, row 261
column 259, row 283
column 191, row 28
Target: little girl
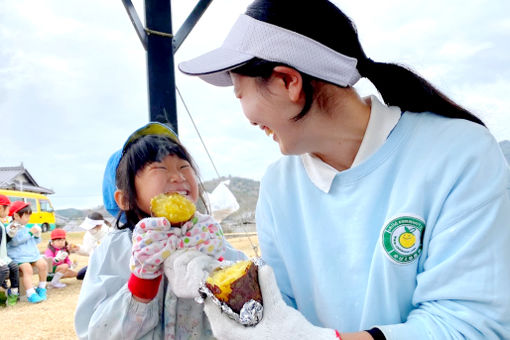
column 139, row 302
column 58, row 250
column 22, row 248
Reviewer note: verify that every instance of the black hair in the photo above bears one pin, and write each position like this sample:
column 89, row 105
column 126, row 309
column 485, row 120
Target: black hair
column 322, row 21
column 143, row 151
column 95, row 216
column 25, row 210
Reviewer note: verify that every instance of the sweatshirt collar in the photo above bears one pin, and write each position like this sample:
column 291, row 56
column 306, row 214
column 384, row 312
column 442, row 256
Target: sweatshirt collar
column 380, row 124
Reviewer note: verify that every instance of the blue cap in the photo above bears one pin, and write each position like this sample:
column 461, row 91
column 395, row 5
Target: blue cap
column 109, row 186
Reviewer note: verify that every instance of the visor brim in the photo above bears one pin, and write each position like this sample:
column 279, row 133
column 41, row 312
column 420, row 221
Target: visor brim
column 214, row 66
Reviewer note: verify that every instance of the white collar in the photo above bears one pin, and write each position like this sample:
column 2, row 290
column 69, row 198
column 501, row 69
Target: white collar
column 381, row 122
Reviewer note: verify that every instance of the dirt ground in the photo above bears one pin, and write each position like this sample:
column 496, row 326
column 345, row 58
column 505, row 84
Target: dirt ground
column 54, row 318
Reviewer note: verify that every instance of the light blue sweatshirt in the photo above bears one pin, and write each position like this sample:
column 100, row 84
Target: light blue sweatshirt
column 107, row 310
column 414, row 240
column 22, row 248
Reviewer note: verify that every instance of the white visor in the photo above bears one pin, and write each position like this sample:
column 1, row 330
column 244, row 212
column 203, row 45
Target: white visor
column 251, row 38
column 89, row 223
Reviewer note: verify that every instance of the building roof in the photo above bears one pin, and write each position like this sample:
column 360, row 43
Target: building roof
column 18, row 178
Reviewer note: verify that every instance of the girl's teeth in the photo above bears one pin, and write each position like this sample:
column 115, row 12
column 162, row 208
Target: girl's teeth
column 268, row 131
column 183, row 193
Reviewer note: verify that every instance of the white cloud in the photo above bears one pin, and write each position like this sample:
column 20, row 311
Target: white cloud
column 462, row 49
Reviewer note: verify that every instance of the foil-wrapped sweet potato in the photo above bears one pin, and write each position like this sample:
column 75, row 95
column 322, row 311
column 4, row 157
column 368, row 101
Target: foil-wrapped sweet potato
column 235, row 285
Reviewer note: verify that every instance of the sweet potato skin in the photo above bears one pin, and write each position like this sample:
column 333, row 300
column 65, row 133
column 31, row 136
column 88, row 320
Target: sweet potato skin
column 244, row 289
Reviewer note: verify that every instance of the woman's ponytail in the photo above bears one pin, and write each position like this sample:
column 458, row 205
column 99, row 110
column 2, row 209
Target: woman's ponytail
column 401, row 87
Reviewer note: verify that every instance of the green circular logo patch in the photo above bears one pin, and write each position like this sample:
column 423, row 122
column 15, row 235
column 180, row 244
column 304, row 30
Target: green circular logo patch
column 402, row 237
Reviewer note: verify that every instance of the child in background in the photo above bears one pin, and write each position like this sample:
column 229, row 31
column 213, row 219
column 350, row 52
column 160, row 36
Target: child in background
column 5, row 202
column 8, row 268
column 58, row 250
column 22, row 248
column 116, row 303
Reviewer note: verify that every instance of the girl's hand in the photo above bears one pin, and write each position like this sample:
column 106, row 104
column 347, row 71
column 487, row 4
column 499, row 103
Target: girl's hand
column 61, row 256
column 12, row 229
column 36, row 230
column 152, row 244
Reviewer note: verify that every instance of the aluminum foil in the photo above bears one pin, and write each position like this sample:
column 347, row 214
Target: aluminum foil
column 251, row 312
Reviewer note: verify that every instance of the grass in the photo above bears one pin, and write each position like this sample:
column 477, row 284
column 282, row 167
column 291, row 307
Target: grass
column 54, row 318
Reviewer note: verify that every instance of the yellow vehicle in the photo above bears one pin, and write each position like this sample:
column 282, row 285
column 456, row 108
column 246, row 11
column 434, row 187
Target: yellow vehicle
column 42, row 210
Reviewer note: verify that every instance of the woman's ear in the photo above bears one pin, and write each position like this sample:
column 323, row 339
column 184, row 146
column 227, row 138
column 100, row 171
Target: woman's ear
column 292, row 80
column 121, row 200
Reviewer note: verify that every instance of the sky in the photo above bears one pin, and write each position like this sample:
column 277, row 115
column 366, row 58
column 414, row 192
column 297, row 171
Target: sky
column 73, row 81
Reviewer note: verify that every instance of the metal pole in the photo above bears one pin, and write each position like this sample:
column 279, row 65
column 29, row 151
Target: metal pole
column 190, row 22
column 160, row 63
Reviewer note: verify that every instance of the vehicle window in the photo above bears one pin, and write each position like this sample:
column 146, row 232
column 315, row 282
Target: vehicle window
column 14, row 199
column 33, row 204
column 45, row 206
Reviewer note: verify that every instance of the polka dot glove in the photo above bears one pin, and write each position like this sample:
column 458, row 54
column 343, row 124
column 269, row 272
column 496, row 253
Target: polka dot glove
column 154, row 240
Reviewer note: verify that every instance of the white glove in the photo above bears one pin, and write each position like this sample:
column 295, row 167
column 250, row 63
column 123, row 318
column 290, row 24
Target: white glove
column 279, row 321
column 36, row 230
column 186, row 269
column 61, row 256
column 12, row 229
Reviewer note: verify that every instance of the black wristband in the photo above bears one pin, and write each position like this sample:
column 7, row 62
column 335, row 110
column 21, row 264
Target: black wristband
column 376, row 333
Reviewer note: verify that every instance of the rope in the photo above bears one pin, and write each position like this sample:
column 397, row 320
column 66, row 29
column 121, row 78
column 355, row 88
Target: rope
column 198, row 133
column 161, row 34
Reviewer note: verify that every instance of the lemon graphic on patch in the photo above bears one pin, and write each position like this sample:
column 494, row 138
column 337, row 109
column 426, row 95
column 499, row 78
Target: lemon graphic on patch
column 407, row 239
column 402, row 238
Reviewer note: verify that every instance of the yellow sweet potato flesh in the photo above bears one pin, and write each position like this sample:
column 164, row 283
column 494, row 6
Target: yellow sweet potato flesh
column 175, row 207
column 236, row 284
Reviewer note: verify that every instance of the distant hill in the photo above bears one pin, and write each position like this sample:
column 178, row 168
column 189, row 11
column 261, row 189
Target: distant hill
column 505, row 146
column 71, row 213
column 64, row 216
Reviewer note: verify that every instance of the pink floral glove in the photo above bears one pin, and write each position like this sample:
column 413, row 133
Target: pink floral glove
column 154, row 239
column 152, row 243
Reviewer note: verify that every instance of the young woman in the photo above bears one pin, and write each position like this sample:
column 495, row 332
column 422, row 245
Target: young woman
column 383, row 220
column 96, row 229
